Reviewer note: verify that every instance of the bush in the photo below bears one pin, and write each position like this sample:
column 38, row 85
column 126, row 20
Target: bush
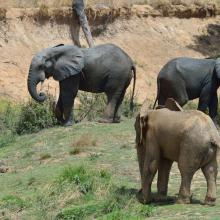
column 8, row 119
column 36, row 116
column 92, row 106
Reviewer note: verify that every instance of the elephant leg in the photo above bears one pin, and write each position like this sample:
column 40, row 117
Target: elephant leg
column 117, row 116
column 161, row 100
column 213, row 107
column 109, row 113
column 184, row 192
column 187, row 167
column 210, row 172
column 68, row 91
column 176, row 91
column 141, row 153
column 204, row 99
column 163, row 177
column 149, row 168
column 59, row 110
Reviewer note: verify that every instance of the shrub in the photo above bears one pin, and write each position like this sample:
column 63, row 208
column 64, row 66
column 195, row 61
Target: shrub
column 125, row 107
column 36, row 116
column 92, row 106
column 8, row 120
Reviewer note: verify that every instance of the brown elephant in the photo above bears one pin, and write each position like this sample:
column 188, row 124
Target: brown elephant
column 188, row 137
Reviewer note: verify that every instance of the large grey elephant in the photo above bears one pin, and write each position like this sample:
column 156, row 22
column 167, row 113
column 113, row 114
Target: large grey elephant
column 188, row 137
column 104, row 68
column 186, row 79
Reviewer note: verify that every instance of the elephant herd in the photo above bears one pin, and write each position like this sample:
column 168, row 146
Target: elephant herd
column 164, row 135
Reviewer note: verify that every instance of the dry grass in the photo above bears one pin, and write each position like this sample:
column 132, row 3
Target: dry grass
column 85, row 140
column 111, row 3
column 82, row 144
column 3, row 14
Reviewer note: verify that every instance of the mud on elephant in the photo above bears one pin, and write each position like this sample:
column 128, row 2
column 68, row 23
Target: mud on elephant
column 104, row 68
column 188, row 137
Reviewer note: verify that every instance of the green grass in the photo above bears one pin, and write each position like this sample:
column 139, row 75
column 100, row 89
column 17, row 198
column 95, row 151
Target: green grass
column 100, row 182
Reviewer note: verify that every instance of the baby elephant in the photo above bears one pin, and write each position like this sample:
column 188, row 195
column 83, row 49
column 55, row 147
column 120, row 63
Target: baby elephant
column 188, row 137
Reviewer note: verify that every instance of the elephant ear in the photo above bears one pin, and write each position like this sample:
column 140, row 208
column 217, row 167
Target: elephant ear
column 69, row 65
column 141, row 128
column 217, row 68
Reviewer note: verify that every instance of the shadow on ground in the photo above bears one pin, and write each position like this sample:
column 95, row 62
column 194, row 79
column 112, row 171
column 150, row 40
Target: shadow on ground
column 206, row 43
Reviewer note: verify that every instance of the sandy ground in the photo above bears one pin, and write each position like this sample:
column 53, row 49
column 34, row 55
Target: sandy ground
column 151, row 42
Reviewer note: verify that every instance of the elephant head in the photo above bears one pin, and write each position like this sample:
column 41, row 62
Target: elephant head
column 61, row 62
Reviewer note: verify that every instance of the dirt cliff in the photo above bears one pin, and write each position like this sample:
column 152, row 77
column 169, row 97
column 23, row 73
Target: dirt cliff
column 151, row 37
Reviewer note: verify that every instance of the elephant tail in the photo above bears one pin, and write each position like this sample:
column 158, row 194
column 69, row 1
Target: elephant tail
column 134, row 83
column 158, row 91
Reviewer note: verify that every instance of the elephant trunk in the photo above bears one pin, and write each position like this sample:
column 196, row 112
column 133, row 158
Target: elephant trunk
column 33, row 80
column 79, row 8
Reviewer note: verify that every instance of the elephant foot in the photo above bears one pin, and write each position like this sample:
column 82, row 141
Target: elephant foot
column 68, row 123
column 60, row 122
column 185, row 200
column 160, row 197
column 142, row 199
column 110, row 120
column 209, row 201
column 117, row 120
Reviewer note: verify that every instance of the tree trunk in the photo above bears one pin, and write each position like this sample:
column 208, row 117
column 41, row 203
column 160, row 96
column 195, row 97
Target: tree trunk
column 79, row 9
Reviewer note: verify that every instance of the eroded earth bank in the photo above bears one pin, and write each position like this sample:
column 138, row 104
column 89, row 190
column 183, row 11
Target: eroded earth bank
column 149, row 37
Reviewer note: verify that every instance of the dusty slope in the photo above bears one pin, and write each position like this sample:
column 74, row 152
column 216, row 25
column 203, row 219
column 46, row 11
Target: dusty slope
column 150, row 41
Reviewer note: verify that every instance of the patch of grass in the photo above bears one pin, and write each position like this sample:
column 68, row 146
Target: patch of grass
column 13, row 202
column 28, row 154
column 124, row 146
column 93, row 156
column 85, row 140
column 105, row 174
column 45, row 156
column 118, row 203
column 31, row 181
column 75, row 150
column 72, row 174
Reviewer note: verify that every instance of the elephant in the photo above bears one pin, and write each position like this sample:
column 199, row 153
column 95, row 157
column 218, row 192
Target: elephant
column 186, row 79
column 104, row 68
column 189, row 138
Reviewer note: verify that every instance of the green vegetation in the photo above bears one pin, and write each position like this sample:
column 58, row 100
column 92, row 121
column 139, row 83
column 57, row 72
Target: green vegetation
column 72, row 186
column 92, row 106
column 88, row 171
column 31, row 117
column 35, row 116
column 45, row 181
